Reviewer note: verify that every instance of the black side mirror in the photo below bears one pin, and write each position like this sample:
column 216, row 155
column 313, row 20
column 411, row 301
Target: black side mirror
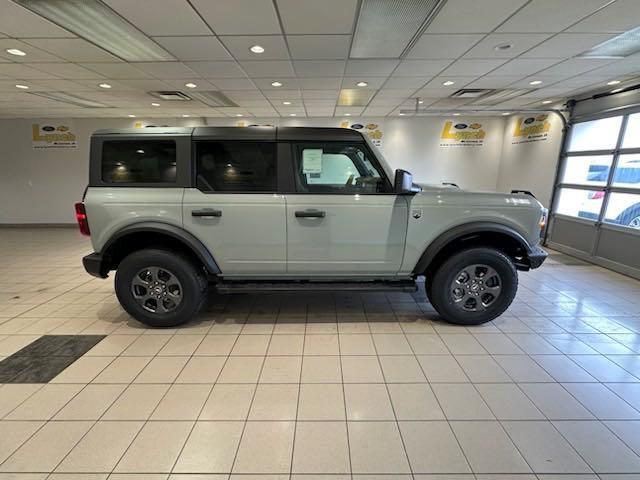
column 403, row 183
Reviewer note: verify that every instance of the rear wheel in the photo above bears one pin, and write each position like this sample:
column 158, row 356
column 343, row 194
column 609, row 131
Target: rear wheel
column 474, row 286
column 160, row 288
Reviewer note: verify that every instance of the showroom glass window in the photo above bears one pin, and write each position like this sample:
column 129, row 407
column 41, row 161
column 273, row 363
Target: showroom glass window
column 139, row 161
column 236, row 166
column 600, row 175
column 337, row 167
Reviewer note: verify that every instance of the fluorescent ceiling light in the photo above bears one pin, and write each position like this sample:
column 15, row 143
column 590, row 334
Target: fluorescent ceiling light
column 100, row 25
column 257, row 49
column 276, row 84
column 613, row 82
column 23, row 87
column 104, row 85
column 448, row 83
column 355, row 97
column 535, row 82
column 190, row 85
column 69, row 98
column 386, row 28
column 15, row 51
column 621, row 46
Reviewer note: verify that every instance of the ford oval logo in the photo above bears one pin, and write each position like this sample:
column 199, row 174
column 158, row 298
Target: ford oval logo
column 48, row 128
column 461, row 126
column 357, row 126
column 529, row 120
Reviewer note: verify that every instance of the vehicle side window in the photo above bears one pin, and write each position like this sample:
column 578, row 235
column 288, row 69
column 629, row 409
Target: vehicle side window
column 139, row 161
column 236, row 166
column 336, row 167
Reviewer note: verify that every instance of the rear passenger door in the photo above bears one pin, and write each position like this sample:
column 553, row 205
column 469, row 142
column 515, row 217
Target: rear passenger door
column 234, row 208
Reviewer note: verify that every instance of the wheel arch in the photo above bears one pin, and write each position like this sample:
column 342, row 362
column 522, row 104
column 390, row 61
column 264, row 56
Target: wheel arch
column 490, row 234
column 157, row 235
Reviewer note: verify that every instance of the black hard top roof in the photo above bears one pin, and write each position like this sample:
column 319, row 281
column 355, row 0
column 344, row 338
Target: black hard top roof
column 242, row 133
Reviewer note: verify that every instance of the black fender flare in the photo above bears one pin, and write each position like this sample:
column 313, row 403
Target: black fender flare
column 466, row 229
column 180, row 234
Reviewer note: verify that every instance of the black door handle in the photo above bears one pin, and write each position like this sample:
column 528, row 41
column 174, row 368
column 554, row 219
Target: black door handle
column 310, row 214
column 206, row 212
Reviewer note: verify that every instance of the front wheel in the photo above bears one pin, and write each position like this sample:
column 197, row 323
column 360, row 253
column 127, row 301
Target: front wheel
column 160, row 288
column 474, row 286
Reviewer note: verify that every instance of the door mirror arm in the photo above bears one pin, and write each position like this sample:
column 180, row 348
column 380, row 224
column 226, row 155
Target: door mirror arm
column 403, row 183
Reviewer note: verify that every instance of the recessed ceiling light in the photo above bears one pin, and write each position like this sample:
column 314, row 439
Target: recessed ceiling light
column 239, row 115
column 15, row 51
column 23, row 87
column 292, row 114
column 104, row 85
column 185, row 115
column 447, row 83
column 456, row 114
column 503, row 46
column 347, row 114
column 257, row 49
column 190, row 85
column 616, row 90
column 506, row 113
column 114, row 34
column 286, row 103
column 613, row 82
column 154, row 104
column 276, row 84
column 535, row 82
column 546, row 102
column 131, row 116
column 401, row 114
column 361, row 84
column 420, row 102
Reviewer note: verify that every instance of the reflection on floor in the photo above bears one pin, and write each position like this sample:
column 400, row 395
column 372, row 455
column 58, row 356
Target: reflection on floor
column 345, row 384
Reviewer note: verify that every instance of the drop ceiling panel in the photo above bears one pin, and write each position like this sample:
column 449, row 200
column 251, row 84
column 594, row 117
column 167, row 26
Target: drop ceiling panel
column 443, row 46
column 216, row 69
column 493, row 82
column 194, row 48
column 265, row 69
column 524, row 66
column 326, row 16
column 473, row 16
column 73, row 49
column 326, row 83
column 421, row 68
column 370, row 68
column 473, row 67
column 319, row 47
column 239, row 17
column 265, row 84
column 394, row 92
column 19, row 22
column 566, row 45
column 576, row 66
column 406, row 82
column 320, row 94
column 520, row 43
column 550, row 15
column 319, row 68
column 233, row 83
column 184, row 20
column 117, row 71
column 373, row 82
column 19, row 70
column 179, row 84
column 239, row 46
column 164, row 70
column 617, row 17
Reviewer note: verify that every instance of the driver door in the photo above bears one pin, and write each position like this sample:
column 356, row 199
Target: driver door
column 344, row 220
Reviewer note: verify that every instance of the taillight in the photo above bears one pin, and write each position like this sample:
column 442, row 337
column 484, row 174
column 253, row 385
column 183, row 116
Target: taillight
column 596, row 195
column 543, row 223
column 81, row 218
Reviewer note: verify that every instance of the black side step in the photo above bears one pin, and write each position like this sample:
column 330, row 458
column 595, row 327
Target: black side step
column 315, row 286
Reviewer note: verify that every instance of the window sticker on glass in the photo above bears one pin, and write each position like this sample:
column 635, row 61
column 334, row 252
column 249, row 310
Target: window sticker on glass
column 312, row 160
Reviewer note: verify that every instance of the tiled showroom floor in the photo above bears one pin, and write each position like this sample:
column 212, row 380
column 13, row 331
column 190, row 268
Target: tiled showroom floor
column 272, row 386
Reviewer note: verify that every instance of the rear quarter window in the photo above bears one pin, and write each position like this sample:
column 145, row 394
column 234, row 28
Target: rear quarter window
column 139, row 161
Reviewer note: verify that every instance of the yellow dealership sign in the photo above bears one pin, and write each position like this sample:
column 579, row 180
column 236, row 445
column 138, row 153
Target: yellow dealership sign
column 531, row 129
column 462, row 134
column 49, row 135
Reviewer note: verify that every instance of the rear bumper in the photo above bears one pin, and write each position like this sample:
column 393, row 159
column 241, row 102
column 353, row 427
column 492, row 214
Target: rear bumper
column 537, row 256
column 95, row 265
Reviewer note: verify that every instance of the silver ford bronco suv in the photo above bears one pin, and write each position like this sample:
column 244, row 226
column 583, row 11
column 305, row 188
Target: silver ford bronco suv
column 177, row 210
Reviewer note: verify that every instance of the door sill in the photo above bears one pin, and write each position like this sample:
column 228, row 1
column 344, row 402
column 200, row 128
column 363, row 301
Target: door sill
column 238, row 286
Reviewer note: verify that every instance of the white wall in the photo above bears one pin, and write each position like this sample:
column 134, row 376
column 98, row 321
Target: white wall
column 40, row 186
column 530, row 165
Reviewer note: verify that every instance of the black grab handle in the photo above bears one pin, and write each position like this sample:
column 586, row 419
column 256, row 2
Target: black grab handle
column 310, row 214
column 207, row 212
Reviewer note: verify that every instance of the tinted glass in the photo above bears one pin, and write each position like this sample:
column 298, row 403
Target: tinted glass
column 580, row 203
column 337, row 168
column 595, row 135
column 236, row 166
column 133, row 161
